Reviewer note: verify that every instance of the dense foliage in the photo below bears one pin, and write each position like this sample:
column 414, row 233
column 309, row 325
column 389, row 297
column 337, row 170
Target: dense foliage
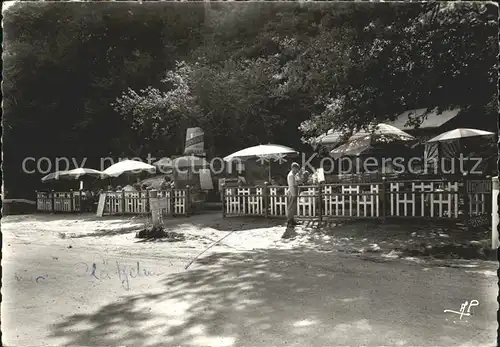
column 122, row 79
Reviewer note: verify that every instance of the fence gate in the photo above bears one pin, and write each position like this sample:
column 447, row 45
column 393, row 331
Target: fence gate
column 479, row 201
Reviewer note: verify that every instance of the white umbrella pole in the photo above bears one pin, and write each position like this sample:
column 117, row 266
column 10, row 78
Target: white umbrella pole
column 81, row 185
column 269, row 171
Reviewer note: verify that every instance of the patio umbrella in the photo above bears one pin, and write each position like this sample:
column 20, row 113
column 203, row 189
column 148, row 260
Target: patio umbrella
column 365, row 141
column 53, row 176
column 334, row 138
column 74, row 174
column 330, row 138
column 79, row 172
column 128, row 166
column 155, row 182
column 459, row 133
column 264, row 152
column 449, row 144
column 382, row 129
column 261, row 151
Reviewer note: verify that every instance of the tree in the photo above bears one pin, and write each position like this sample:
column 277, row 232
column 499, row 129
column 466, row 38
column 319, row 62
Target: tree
column 251, row 73
column 64, row 64
column 229, row 103
column 154, row 116
column 437, row 55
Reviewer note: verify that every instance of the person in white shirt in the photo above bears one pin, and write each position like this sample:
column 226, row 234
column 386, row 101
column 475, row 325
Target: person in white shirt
column 292, row 195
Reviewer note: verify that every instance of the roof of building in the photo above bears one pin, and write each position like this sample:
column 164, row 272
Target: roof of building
column 432, row 119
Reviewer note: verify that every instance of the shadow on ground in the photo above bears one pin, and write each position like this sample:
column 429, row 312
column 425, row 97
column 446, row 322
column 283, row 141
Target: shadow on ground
column 439, row 239
column 451, row 251
column 280, row 298
column 83, row 217
column 109, row 232
column 214, row 220
column 207, row 220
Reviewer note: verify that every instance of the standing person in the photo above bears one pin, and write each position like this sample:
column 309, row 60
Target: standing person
column 293, row 192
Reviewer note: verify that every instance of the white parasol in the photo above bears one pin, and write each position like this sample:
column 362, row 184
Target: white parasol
column 264, row 153
column 459, row 133
column 363, row 142
column 73, row 174
column 128, row 166
column 261, row 151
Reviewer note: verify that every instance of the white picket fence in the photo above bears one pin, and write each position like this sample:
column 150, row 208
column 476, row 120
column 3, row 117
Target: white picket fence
column 397, row 199
column 388, row 199
column 43, row 201
column 116, row 203
column 119, row 203
column 59, row 201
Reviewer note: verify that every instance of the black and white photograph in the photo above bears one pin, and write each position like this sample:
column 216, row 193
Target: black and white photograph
column 249, row 173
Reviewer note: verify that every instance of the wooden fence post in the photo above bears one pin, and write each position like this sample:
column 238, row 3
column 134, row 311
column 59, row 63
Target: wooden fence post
column 123, row 202
column 147, row 205
column 383, row 198
column 465, row 191
column 487, row 206
column 71, row 204
column 170, row 200
column 266, row 199
column 187, row 199
column 80, row 192
column 52, row 195
column 223, row 196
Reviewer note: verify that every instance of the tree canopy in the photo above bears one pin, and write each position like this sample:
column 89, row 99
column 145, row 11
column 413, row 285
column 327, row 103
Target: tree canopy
column 126, row 79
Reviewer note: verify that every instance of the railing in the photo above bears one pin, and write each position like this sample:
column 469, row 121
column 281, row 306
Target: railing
column 426, row 199
column 178, row 201
column 119, row 203
column 115, row 203
column 72, row 201
column 173, row 201
column 443, row 199
column 44, row 201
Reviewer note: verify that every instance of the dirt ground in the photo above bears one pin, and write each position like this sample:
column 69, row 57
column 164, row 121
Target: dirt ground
column 413, row 238
column 108, row 232
column 86, row 280
column 388, row 239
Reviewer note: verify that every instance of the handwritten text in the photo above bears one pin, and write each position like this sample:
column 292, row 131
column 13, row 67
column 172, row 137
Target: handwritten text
column 36, row 279
column 105, row 271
